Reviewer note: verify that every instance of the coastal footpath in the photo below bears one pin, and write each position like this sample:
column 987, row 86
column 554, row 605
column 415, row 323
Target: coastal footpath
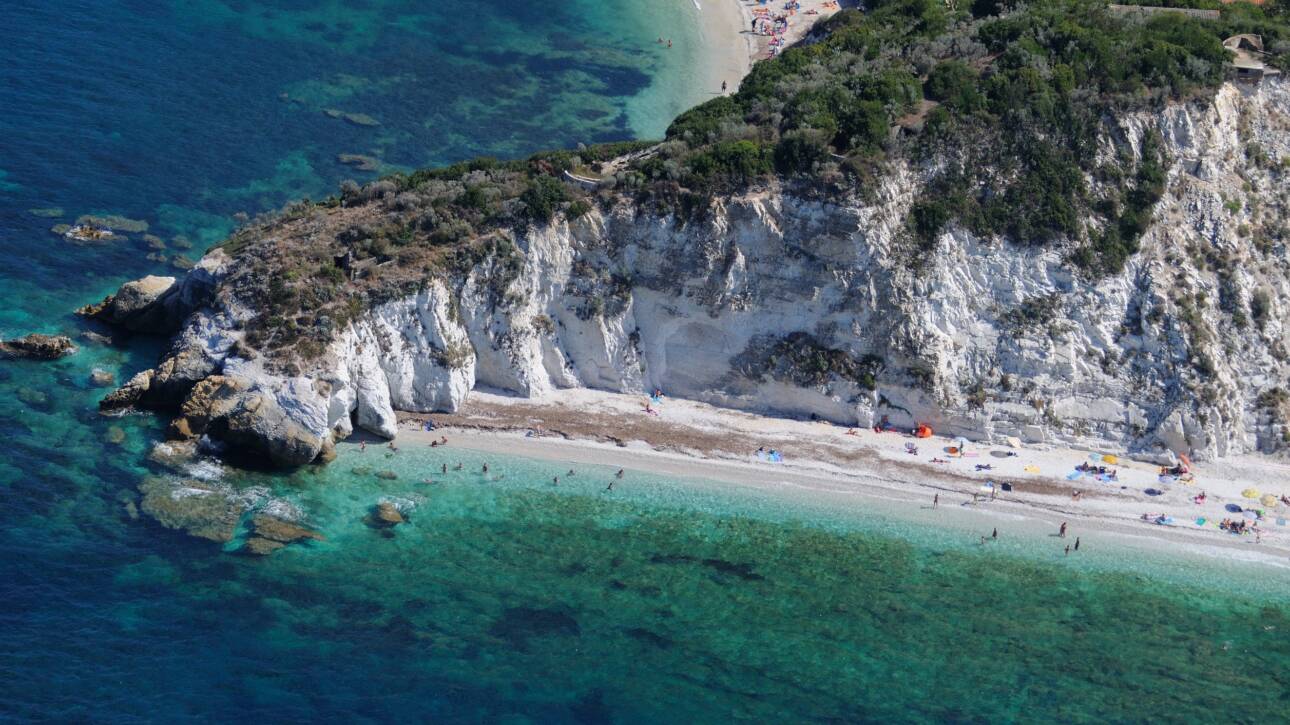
column 721, row 271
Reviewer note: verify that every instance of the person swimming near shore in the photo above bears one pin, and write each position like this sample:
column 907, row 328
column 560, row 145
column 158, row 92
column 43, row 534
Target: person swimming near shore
column 362, row 446
column 555, row 480
column 457, row 467
column 485, row 468
column 620, row 473
column 393, row 447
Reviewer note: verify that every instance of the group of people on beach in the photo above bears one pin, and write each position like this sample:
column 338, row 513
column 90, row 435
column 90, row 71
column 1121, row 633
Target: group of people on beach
column 1238, row 526
column 1111, row 473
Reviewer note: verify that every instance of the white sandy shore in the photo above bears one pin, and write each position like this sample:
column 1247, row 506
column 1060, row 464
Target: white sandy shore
column 694, row 440
column 730, row 45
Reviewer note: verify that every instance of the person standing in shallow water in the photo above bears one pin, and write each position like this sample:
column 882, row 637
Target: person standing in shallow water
column 1062, row 531
column 995, row 535
column 936, row 500
column 1068, row 550
column 1076, row 543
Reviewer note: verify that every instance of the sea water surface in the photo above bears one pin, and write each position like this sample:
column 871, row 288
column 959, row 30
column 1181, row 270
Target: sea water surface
column 503, row 598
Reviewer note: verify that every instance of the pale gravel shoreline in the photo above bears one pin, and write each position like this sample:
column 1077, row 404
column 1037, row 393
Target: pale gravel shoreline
column 825, row 465
column 730, row 45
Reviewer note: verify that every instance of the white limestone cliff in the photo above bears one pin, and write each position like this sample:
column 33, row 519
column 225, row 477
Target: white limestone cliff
column 1178, row 352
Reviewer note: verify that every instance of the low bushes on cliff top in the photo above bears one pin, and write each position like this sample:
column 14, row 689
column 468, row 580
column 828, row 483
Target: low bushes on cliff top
column 1006, row 101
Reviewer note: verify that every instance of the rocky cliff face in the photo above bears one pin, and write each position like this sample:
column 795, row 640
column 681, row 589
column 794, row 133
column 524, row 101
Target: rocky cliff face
column 784, row 305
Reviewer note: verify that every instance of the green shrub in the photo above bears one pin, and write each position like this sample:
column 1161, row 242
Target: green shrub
column 542, row 196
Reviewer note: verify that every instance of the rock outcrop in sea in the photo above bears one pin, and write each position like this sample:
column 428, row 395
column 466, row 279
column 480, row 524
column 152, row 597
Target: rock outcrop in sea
column 37, row 347
column 787, row 305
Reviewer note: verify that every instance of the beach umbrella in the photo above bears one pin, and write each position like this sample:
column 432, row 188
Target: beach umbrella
column 1268, row 500
column 1250, row 493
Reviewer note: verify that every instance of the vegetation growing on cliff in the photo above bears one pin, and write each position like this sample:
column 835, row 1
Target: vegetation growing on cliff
column 1004, row 103
column 1000, row 106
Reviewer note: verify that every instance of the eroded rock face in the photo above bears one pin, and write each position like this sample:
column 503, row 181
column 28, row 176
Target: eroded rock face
column 37, row 347
column 985, row 338
column 159, row 305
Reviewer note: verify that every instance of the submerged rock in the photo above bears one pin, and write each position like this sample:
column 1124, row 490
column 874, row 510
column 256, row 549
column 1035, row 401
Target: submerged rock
column 33, row 398
column 113, row 222
column 260, row 546
column 102, row 378
column 52, row 212
column 37, row 347
column 278, row 529
column 387, row 475
column 115, row 435
column 358, row 119
column 359, row 161
column 201, row 509
column 385, row 515
column 174, row 455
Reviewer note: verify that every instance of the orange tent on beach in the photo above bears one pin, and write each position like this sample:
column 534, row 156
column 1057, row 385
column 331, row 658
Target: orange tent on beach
column 923, row 431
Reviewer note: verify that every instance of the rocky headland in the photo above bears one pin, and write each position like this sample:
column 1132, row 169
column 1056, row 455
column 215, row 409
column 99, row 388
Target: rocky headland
column 1134, row 301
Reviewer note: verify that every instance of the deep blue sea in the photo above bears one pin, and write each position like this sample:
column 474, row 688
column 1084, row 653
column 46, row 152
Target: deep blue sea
column 502, row 599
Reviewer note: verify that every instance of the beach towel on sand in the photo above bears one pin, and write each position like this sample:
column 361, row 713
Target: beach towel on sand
column 1074, row 475
column 1031, row 469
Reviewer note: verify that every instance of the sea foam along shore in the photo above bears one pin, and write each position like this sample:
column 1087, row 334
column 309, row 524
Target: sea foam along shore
column 689, row 439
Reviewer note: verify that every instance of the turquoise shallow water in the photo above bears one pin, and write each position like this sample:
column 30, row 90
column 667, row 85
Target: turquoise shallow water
column 502, row 599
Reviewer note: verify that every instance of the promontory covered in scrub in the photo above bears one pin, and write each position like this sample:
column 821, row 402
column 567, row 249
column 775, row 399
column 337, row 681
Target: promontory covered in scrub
column 1057, row 221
